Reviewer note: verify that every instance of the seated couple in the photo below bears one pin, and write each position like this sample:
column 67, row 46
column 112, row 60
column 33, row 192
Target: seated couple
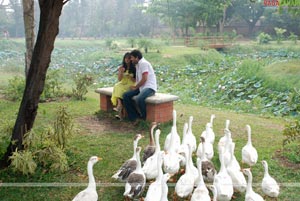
column 136, row 78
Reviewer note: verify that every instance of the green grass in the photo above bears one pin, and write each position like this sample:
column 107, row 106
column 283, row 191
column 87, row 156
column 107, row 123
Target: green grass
column 116, row 147
column 114, row 144
column 283, row 75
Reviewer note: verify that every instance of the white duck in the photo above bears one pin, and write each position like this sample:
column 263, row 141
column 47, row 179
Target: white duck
column 201, row 192
column 250, row 194
column 180, row 150
column 177, row 140
column 150, row 167
column 226, row 149
column 164, row 187
column 185, row 185
column 208, row 168
column 155, row 189
column 90, row 193
column 224, row 138
column 209, row 150
column 223, row 182
column 269, row 185
column 150, row 148
column 234, row 170
column 171, row 159
column 130, row 165
column 189, row 160
column 136, row 181
column 249, row 153
column 209, row 134
column 189, row 137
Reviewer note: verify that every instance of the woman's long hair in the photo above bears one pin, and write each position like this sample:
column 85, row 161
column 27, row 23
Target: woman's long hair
column 131, row 66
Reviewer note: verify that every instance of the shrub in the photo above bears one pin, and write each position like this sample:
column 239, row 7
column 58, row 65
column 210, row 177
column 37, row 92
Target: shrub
column 6, row 128
column 53, row 85
column 53, row 157
column 291, row 132
column 108, row 42
column 131, row 42
column 264, row 38
column 279, row 34
column 48, row 149
column 22, row 161
column 15, row 88
column 293, row 38
column 145, row 44
column 63, row 127
column 82, row 82
column 111, row 44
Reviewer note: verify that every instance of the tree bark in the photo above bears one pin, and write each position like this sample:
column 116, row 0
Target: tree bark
column 48, row 30
column 28, row 16
column 222, row 21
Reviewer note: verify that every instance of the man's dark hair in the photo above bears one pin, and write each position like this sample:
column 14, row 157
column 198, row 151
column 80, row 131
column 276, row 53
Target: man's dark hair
column 136, row 53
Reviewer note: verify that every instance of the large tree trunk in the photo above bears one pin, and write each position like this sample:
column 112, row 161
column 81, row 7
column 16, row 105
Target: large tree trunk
column 48, row 30
column 28, row 16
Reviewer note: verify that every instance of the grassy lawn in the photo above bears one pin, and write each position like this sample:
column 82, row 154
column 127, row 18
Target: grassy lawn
column 115, row 147
column 98, row 133
column 284, row 74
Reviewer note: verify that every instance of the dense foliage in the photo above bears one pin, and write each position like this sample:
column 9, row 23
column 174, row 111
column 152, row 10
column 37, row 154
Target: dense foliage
column 48, row 148
column 235, row 79
column 133, row 18
column 232, row 79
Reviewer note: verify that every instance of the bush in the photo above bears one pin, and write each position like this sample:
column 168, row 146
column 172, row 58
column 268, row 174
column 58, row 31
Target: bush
column 111, row 44
column 22, row 161
column 264, row 38
column 291, row 132
column 15, row 88
column 131, row 42
column 63, row 127
column 293, row 38
column 53, row 85
column 48, row 149
column 82, row 82
column 145, row 44
column 279, row 34
column 6, row 128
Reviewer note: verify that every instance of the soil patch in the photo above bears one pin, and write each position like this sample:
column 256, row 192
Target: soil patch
column 105, row 125
column 284, row 161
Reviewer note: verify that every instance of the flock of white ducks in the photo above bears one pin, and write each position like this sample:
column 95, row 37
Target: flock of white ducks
column 195, row 182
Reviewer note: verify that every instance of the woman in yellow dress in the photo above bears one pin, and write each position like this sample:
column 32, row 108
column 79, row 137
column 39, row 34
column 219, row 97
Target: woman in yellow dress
column 126, row 78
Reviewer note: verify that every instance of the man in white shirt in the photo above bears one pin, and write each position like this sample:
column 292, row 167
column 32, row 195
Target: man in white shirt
column 146, row 86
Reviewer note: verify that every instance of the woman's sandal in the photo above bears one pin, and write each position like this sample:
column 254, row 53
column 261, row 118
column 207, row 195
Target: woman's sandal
column 118, row 108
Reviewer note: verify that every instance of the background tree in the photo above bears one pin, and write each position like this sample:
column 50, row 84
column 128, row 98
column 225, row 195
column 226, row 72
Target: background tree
column 249, row 12
column 292, row 6
column 283, row 19
column 28, row 16
column 16, row 15
column 48, row 30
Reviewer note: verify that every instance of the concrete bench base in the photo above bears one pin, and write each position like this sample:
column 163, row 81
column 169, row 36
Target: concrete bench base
column 159, row 106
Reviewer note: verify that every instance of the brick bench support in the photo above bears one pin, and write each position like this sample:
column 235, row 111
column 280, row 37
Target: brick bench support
column 159, row 107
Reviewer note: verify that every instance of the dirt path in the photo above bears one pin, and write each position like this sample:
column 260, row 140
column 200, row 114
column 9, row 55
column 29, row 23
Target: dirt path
column 104, row 125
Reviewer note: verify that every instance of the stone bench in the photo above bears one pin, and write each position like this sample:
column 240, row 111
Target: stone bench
column 159, row 106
